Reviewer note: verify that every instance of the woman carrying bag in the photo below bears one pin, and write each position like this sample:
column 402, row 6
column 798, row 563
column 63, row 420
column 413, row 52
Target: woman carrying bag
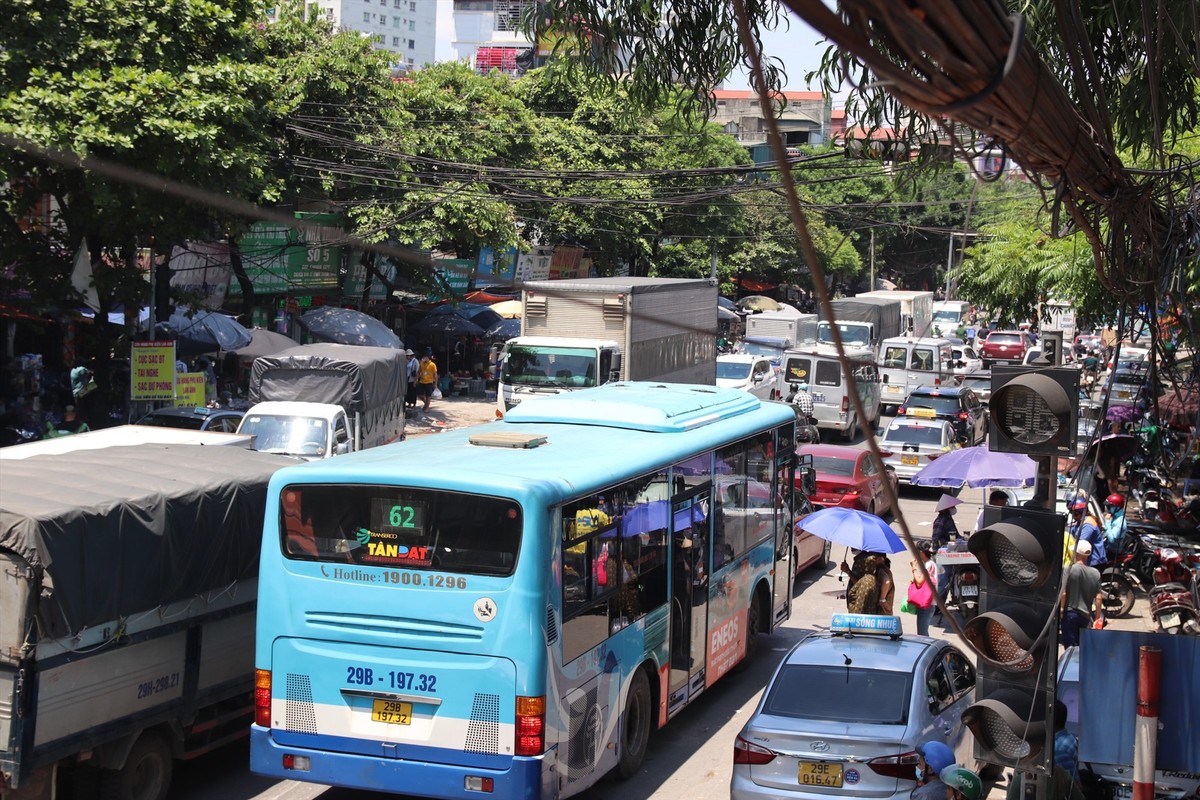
column 921, row 591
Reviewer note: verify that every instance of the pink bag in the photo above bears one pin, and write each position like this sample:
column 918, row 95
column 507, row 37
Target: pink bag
column 920, row 596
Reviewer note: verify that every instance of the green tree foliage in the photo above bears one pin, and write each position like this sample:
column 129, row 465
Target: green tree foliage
column 168, row 88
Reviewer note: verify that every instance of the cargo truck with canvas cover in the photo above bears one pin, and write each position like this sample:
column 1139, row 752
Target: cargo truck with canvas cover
column 322, row 400
column 862, row 322
column 128, row 583
column 580, row 333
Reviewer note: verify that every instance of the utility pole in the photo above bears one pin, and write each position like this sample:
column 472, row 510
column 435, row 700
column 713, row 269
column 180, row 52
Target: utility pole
column 872, row 288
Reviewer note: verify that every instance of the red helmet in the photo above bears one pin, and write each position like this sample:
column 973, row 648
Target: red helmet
column 1115, row 500
column 1079, row 504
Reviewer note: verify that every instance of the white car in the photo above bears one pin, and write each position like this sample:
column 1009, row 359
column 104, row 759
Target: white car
column 966, row 360
column 910, row 444
column 750, row 373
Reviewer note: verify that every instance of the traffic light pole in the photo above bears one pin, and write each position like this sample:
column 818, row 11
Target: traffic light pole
column 1046, row 489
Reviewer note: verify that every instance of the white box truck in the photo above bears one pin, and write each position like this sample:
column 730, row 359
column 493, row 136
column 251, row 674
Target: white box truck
column 320, row 400
column 585, row 332
column 128, row 583
column 796, row 330
column 916, row 309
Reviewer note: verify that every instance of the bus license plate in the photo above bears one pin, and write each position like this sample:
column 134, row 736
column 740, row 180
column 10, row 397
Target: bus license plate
column 969, row 591
column 909, row 459
column 819, row 773
column 392, row 712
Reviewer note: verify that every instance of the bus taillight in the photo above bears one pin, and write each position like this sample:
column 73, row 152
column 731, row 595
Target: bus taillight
column 262, row 698
column 531, row 725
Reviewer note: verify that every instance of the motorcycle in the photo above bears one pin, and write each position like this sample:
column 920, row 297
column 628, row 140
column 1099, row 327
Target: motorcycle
column 1174, row 602
column 964, row 591
column 1130, row 569
column 806, row 424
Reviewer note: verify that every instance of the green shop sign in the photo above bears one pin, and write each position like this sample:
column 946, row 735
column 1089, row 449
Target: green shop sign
column 280, row 259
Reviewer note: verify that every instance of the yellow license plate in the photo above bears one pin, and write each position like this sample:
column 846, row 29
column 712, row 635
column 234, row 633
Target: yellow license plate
column 894, row 390
column 926, row 413
column 819, row 773
column 393, row 712
column 909, row 459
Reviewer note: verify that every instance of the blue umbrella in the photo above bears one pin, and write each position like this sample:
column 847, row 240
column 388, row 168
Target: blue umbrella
column 978, row 467
column 505, row 329
column 347, row 326
column 852, row 528
column 205, row 332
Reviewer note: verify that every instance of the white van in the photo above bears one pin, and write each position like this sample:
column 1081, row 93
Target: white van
column 905, row 364
column 832, row 406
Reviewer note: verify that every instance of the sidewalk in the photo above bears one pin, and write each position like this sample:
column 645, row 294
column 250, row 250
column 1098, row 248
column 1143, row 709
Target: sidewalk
column 448, row 413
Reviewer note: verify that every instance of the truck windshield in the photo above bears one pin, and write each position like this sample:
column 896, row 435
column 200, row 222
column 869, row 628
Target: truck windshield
column 947, row 315
column 537, row 365
column 294, row 435
column 400, row 527
column 852, row 335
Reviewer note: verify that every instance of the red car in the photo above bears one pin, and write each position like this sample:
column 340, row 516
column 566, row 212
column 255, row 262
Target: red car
column 1006, row 346
column 849, row 477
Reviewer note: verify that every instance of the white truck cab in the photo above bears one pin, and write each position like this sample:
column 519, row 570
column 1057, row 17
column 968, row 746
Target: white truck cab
column 308, row 430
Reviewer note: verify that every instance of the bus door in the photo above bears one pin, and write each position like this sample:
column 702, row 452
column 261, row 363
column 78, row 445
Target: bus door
column 785, row 518
column 689, row 595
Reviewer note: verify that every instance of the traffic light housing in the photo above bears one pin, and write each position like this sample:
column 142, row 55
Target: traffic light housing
column 1034, row 411
column 1016, row 635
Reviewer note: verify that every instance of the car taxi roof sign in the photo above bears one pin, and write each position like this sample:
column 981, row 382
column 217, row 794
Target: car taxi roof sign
column 876, row 624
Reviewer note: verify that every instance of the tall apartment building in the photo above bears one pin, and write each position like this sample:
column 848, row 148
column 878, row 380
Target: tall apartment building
column 406, row 28
column 486, row 33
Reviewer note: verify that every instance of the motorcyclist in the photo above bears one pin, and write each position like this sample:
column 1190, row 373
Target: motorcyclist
column 1114, row 522
column 1086, row 528
column 802, row 402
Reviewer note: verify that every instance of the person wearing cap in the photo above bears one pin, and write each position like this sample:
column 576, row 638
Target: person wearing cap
column 1081, row 602
column 1085, row 527
column 932, row 757
column 410, row 365
column 961, row 783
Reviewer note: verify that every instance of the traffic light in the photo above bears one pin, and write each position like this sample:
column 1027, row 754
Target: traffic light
column 1034, row 411
column 1015, row 636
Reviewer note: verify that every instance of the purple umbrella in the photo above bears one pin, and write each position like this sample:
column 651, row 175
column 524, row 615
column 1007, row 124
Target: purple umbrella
column 1122, row 414
column 852, row 528
column 978, row 467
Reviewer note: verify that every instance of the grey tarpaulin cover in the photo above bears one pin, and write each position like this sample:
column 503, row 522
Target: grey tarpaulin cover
column 125, row 529
column 355, row 378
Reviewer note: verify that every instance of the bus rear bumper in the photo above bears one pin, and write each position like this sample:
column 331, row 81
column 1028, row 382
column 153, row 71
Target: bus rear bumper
column 523, row 778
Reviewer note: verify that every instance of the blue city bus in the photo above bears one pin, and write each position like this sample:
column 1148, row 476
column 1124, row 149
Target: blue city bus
column 509, row 609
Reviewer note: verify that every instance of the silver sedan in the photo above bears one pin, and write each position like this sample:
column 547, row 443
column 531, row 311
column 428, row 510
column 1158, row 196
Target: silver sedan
column 910, row 444
column 844, row 714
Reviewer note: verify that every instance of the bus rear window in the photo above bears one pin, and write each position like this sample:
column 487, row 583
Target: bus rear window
column 398, row 527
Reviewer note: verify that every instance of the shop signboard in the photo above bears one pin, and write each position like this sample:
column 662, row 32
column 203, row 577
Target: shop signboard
column 281, row 258
column 189, row 389
column 456, row 272
column 360, row 277
column 202, row 270
column 535, row 265
column 152, row 371
column 495, row 267
column 567, row 262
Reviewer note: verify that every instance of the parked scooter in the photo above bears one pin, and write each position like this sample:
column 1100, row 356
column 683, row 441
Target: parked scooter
column 964, row 590
column 1174, row 602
